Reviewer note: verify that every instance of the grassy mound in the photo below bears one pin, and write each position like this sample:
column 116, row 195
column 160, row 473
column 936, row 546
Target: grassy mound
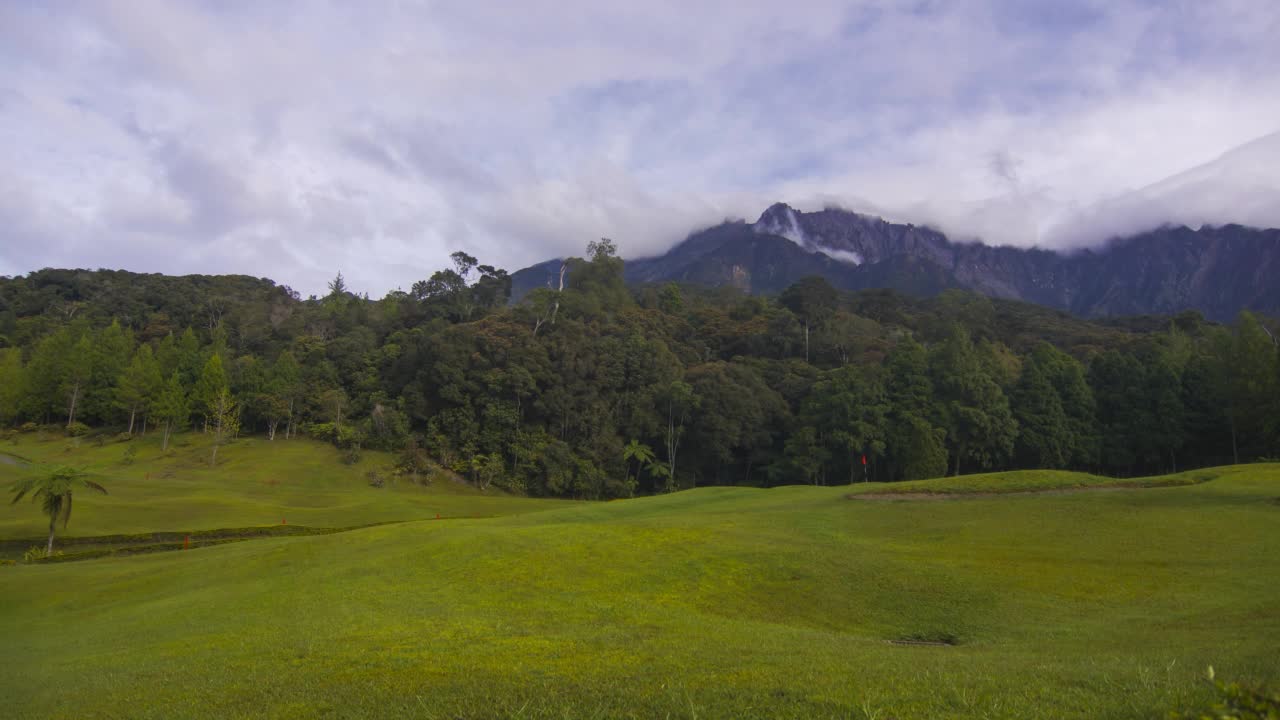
column 256, row 483
column 718, row 602
column 1028, row 481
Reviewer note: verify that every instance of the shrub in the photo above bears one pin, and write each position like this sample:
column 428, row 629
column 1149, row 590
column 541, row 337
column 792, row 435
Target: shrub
column 130, row 453
column 28, row 427
column 77, row 429
column 375, row 479
column 342, row 437
column 351, row 455
column 36, row 553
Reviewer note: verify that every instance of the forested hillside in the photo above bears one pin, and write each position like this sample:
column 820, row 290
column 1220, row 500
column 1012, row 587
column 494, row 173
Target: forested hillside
column 593, row 389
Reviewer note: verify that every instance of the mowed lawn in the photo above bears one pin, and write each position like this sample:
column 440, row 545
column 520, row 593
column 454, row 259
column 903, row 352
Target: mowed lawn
column 710, row 603
column 255, row 483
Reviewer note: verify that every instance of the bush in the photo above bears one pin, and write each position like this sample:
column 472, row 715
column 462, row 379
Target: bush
column 375, row 479
column 342, row 437
column 28, row 427
column 352, row 454
column 130, row 453
column 36, row 553
column 77, row 429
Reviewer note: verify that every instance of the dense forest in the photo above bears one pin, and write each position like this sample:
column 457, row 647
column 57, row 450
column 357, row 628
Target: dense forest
column 591, row 388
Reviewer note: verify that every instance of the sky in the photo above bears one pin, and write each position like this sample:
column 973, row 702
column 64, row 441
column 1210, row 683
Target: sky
column 296, row 140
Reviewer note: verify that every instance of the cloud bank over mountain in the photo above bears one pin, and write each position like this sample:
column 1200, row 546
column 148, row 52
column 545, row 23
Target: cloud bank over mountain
column 294, row 140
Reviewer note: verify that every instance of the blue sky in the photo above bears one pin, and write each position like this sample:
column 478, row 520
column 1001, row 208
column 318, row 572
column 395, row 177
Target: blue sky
column 296, row 139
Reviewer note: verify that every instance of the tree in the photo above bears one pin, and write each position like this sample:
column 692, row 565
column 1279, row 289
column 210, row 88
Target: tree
column 53, row 490
column 283, row 388
column 12, row 384
column 970, row 405
column 213, row 380
column 639, row 453
column 848, row 408
column 139, row 383
column 171, row 407
column 813, row 300
column 79, row 371
column 924, row 450
column 337, row 287
column 1042, row 423
column 678, row 400
column 1252, row 378
column 912, row 443
column 226, row 421
column 112, row 352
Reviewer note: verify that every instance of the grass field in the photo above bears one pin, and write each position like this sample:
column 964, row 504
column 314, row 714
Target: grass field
column 256, row 482
column 717, row 602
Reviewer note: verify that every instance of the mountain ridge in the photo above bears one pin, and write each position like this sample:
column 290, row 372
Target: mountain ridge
column 1216, row 270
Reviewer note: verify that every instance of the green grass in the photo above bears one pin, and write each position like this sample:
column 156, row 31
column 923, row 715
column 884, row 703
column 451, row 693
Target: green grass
column 1023, row 481
column 711, row 603
column 255, row 483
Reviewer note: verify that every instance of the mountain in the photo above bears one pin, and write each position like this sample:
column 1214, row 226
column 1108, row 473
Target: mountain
column 1215, row 270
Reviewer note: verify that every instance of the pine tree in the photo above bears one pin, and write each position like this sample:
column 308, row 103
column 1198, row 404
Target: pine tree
column 171, row 407
column 139, row 384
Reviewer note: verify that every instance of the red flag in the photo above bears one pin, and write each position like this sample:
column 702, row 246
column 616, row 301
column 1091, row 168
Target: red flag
column 864, row 459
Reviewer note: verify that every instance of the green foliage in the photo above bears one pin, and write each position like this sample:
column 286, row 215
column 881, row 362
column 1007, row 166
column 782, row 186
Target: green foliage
column 77, row 429
column 54, row 490
column 724, row 388
column 1235, row 702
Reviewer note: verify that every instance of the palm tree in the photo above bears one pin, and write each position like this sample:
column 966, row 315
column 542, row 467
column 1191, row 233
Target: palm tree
column 54, row 493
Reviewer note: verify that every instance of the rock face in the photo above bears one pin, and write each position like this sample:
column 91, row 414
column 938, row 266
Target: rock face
column 1215, row 270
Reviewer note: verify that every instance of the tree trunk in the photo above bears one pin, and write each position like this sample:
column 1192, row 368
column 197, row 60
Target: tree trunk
column 271, row 430
column 164, row 445
column 806, row 341
column 144, row 425
column 133, row 413
column 53, row 527
column 71, row 416
column 217, row 438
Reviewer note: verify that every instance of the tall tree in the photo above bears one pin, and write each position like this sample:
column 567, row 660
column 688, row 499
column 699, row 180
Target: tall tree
column 849, row 409
column 813, row 300
column 912, row 443
column 1043, row 433
column 171, row 407
column 226, row 421
column 139, row 384
column 79, row 370
column 970, row 404
column 1251, row 369
column 213, row 380
column 677, row 400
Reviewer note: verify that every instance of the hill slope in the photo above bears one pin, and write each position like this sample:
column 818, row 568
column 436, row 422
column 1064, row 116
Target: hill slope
column 720, row 602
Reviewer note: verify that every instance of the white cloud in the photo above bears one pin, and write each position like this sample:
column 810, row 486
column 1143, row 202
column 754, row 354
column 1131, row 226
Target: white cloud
column 296, row 139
